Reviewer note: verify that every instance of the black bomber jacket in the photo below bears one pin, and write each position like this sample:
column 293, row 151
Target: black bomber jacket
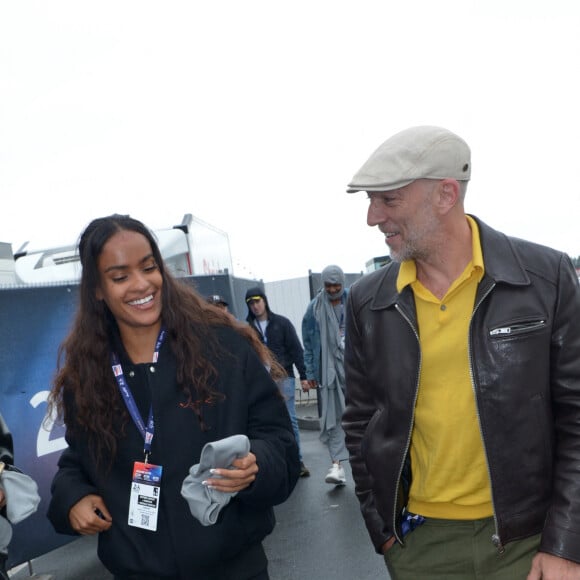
column 182, row 546
column 524, row 349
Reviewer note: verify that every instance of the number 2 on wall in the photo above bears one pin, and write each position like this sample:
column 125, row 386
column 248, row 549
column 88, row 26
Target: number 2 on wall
column 44, row 444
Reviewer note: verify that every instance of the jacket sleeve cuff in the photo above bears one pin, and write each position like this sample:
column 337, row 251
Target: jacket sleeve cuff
column 561, row 542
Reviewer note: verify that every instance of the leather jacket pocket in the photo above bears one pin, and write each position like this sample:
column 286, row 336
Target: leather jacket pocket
column 368, row 434
column 517, row 327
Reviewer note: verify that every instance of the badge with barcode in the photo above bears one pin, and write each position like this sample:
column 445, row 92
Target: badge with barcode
column 144, row 500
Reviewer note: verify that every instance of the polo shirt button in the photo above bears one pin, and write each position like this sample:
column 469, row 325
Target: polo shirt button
column 131, row 373
column 152, row 369
column 443, row 307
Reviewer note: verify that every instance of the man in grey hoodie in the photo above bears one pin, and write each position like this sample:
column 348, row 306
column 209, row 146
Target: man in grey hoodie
column 323, row 332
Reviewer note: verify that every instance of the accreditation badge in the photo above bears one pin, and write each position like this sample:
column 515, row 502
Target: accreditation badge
column 144, row 500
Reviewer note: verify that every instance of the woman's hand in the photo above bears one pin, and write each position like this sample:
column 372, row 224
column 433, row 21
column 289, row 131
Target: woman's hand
column 90, row 515
column 237, row 479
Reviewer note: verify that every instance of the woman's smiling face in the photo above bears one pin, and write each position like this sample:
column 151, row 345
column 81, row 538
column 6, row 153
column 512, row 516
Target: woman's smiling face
column 130, row 282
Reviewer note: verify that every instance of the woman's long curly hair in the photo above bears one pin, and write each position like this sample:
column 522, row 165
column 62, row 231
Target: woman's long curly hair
column 85, row 395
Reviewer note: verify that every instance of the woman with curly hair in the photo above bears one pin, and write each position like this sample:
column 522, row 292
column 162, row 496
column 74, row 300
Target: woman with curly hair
column 149, row 375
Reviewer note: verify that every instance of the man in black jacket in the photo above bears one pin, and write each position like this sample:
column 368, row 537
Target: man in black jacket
column 462, row 380
column 279, row 335
column 6, row 456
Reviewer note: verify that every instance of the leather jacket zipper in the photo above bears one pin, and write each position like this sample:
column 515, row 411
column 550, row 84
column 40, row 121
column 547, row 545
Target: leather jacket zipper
column 517, row 328
column 495, row 538
column 410, row 432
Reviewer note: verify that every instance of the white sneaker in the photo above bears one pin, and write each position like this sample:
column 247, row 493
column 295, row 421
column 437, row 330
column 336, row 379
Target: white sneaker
column 336, row 475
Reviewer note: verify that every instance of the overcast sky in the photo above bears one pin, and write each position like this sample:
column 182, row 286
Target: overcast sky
column 254, row 115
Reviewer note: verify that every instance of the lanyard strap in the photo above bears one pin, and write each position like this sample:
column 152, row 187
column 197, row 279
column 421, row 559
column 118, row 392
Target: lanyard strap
column 261, row 330
column 146, row 429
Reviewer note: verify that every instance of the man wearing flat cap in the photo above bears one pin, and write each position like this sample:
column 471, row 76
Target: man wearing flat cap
column 462, row 380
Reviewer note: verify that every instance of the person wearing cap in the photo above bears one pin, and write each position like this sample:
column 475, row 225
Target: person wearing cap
column 219, row 301
column 463, row 380
column 323, row 334
column 279, row 335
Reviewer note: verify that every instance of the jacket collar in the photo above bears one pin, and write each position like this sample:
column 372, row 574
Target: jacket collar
column 501, row 261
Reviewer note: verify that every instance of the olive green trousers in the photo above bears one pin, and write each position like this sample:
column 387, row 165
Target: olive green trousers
column 459, row 550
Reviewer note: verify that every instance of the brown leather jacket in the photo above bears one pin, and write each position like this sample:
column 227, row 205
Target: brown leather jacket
column 524, row 348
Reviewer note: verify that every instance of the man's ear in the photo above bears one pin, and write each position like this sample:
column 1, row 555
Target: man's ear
column 449, row 194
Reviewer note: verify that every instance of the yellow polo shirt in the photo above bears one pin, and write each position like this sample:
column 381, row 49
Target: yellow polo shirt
column 450, row 476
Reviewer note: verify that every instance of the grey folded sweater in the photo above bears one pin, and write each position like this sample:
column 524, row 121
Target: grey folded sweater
column 205, row 503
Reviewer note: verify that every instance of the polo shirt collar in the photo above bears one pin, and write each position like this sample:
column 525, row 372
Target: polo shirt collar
column 408, row 270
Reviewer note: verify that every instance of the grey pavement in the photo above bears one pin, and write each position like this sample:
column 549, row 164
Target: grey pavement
column 319, row 534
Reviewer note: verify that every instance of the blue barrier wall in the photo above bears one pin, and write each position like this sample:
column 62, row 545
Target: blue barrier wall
column 33, row 322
